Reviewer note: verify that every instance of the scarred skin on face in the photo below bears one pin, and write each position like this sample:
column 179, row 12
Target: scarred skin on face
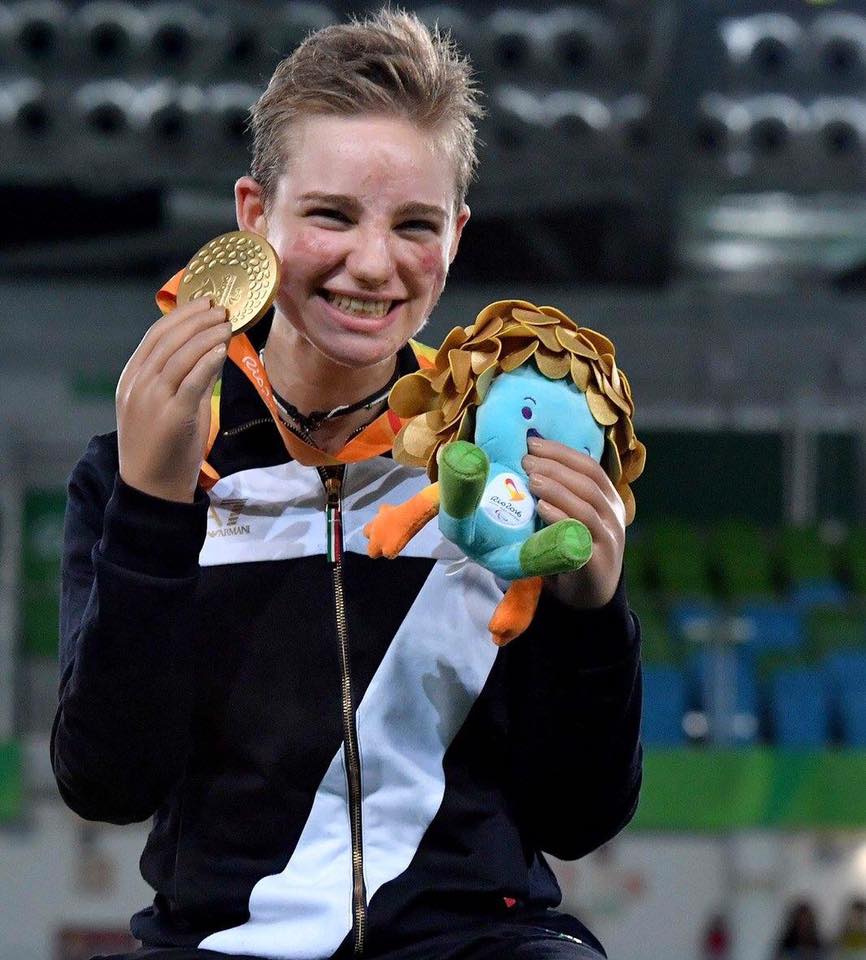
column 365, row 226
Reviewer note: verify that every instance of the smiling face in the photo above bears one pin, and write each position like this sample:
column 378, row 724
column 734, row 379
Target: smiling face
column 364, row 223
column 524, row 403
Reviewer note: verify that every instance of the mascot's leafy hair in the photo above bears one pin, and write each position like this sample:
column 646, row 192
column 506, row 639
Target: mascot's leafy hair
column 440, row 401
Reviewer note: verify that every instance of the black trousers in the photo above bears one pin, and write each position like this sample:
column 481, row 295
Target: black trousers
column 498, row 942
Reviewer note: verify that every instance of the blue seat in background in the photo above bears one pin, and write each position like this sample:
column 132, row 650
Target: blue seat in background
column 687, row 619
column 742, row 673
column 852, row 717
column 664, row 703
column 845, row 680
column 772, row 625
column 844, row 671
column 799, row 711
column 806, row 594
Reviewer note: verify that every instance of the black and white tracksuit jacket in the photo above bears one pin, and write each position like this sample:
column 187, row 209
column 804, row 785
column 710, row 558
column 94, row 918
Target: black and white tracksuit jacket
column 203, row 686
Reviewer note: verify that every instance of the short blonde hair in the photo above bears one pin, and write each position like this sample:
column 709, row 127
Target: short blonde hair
column 389, row 64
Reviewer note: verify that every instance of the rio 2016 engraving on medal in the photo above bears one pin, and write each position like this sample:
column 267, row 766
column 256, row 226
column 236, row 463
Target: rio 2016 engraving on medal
column 239, row 271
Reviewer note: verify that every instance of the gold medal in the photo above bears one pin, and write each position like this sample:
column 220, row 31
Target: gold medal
column 239, row 271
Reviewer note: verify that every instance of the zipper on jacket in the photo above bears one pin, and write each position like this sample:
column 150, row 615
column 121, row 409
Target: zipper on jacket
column 233, row 431
column 260, row 421
column 332, row 478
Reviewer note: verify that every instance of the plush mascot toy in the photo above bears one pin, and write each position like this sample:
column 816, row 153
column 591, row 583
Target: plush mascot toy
column 519, row 371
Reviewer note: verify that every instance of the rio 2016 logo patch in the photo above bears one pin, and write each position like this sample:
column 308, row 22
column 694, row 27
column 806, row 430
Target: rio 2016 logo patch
column 507, row 501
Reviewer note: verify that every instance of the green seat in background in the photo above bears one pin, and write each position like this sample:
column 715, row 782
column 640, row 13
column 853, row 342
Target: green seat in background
column 770, row 662
column 657, row 644
column 803, row 555
column 829, row 629
column 852, row 555
column 640, row 599
column 11, row 781
column 635, row 562
column 677, row 559
column 40, row 570
column 739, row 555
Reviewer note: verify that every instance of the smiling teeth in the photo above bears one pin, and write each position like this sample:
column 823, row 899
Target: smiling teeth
column 360, row 308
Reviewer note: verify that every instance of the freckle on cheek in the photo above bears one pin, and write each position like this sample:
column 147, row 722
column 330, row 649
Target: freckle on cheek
column 431, row 263
column 305, row 246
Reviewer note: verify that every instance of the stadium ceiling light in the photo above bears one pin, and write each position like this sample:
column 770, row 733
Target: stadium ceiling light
column 105, row 110
column 25, row 109
column 109, row 34
column 38, row 31
column 515, row 40
column 631, row 115
column 839, row 39
column 769, row 43
column 168, row 114
column 720, row 122
column 518, row 117
column 840, row 126
column 579, row 42
column 178, row 37
column 578, row 117
column 776, row 123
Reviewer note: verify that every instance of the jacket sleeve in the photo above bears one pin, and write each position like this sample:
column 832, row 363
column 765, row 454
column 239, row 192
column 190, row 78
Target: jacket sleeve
column 574, row 688
column 130, row 567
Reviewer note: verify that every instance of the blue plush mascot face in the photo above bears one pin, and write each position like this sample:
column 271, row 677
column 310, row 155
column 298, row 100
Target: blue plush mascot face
column 524, row 403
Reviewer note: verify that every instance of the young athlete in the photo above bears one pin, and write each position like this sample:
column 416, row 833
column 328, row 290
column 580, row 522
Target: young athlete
column 335, row 757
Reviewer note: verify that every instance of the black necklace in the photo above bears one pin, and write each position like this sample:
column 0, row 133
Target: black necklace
column 310, row 422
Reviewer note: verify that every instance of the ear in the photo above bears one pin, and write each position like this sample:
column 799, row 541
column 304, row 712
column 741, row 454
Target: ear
column 249, row 207
column 463, row 215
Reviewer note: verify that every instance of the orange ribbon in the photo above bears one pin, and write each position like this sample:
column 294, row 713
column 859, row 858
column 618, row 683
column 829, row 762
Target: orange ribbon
column 375, row 439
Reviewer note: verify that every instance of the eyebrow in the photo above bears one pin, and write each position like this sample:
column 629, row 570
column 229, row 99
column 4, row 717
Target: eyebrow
column 411, row 209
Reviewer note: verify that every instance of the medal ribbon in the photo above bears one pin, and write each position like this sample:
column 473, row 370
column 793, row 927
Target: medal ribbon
column 375, row 439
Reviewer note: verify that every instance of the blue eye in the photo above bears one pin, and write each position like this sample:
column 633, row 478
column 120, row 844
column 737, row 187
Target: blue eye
column 527, row 413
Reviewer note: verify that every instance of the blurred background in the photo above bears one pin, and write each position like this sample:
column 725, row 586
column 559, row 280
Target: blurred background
column 685, row 175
